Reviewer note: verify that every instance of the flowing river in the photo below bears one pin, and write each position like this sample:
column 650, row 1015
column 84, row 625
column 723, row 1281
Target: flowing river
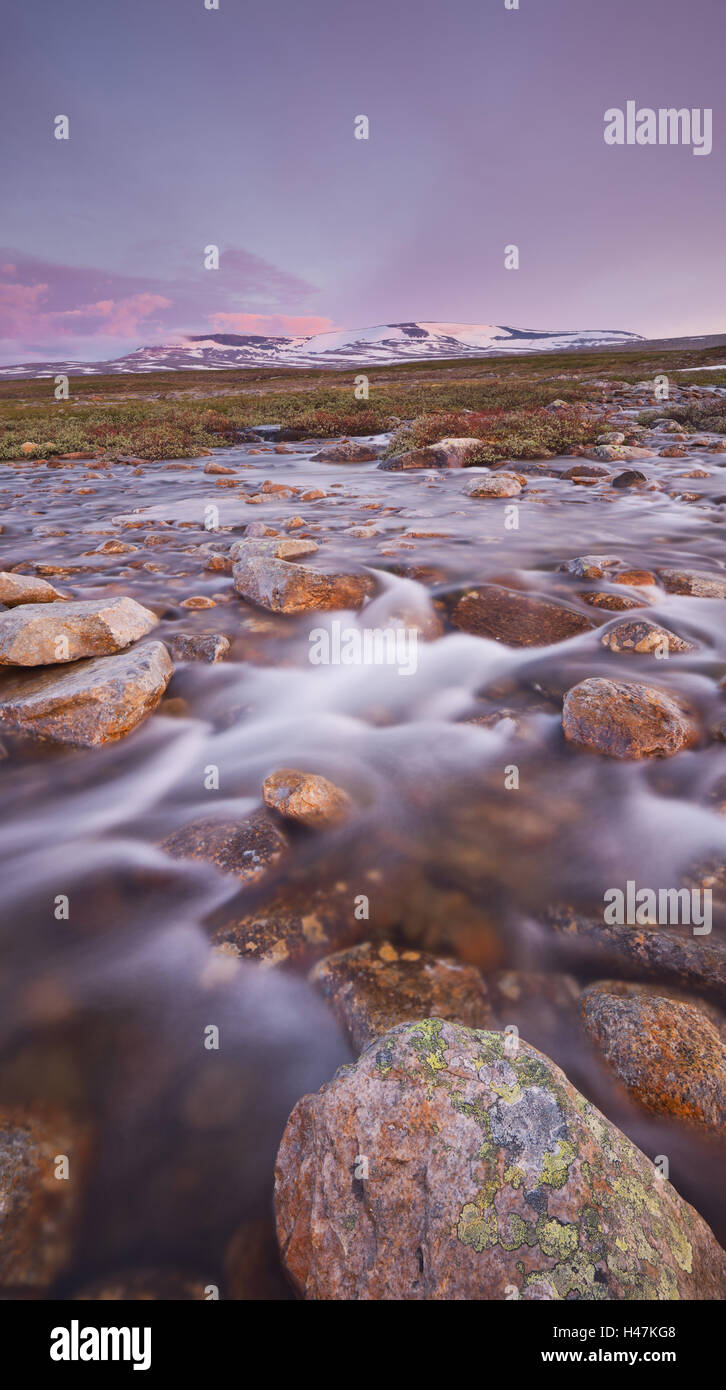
column 103, row 1013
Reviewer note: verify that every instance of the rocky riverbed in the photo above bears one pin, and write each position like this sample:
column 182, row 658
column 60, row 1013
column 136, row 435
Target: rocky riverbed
column 319, row 755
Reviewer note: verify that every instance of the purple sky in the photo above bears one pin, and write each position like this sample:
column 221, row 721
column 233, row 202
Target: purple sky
column 235, row 127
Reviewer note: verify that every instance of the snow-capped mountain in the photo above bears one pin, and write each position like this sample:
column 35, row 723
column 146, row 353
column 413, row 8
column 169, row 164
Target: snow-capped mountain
column 385, row 343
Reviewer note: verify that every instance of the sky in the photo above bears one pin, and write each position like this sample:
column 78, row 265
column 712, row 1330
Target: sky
column 234, row 127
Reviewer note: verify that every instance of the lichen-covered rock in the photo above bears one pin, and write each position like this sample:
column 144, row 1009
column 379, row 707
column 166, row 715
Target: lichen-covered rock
column 625, row 720
column 24, row 588
column 438, row 1167
column 38, row 1205
column 245, row 848
column 89, row 702
column 284, row 587
column 515, row 618
column 372, row 987
column 667, row 1053
column 644, row 637
column 346, row 453
column 44, row 634
column 306, row 798
column 447, row 453
column 690, row 582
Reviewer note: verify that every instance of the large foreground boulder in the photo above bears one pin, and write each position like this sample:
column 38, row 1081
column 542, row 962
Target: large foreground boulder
column 43, row 634
column 89, row 702
column 438, row 1167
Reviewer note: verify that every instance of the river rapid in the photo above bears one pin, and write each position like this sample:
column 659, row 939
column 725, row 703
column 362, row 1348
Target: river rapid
column 104, row 1013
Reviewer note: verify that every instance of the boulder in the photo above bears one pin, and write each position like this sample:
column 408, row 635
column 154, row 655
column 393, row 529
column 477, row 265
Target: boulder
column 206, row 646
column 346, row 453
column 496, row 485
column 643, row 637
column 691, row 582
column 23, row 588
column 245, row 848
column 43, row 634
column 89, row 702
column 667, row 1053
column 283, row 587
column 632, row 477
column 439, row 1167
column 515, row 618
column 626, row 720
column 447, row 453
column 374, row 986
column 658, row 953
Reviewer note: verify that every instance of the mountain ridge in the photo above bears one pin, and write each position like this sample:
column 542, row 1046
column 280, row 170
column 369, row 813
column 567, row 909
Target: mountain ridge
column 380, row 344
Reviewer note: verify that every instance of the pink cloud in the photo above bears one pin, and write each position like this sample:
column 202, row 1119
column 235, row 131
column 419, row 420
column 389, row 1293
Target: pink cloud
column 271, row 325
column 50, row 309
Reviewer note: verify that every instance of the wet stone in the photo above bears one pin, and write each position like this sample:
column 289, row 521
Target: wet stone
column 245, row 848
column 517, row 619
column 626, row 720
column 480, row 1171
column 88, row 702
column 375, row 986
column 42, row 634
column 668, row 1055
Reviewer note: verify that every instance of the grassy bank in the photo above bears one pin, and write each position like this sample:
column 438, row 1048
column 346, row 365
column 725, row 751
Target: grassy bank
column 180, row 414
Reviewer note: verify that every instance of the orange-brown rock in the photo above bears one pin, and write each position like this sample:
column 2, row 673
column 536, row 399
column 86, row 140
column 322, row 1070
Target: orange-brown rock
column 306, row 798
column 39, row 1206
column 515, row 618
column 346, row 453
column 42, row 634
column 283, row 587
column 613, row 603
column 643, row 637
column 447, row 453
column 205, row 646
column 440, row 1167
column 669, row 1056
column 689, row 582
column 626, row 720
column 88, row 702
column 23, row 588
column 374, row 986
column 495, row 485
column 245, row 848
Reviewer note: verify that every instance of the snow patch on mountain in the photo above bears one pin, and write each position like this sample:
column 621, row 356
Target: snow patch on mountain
column 379, row 345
